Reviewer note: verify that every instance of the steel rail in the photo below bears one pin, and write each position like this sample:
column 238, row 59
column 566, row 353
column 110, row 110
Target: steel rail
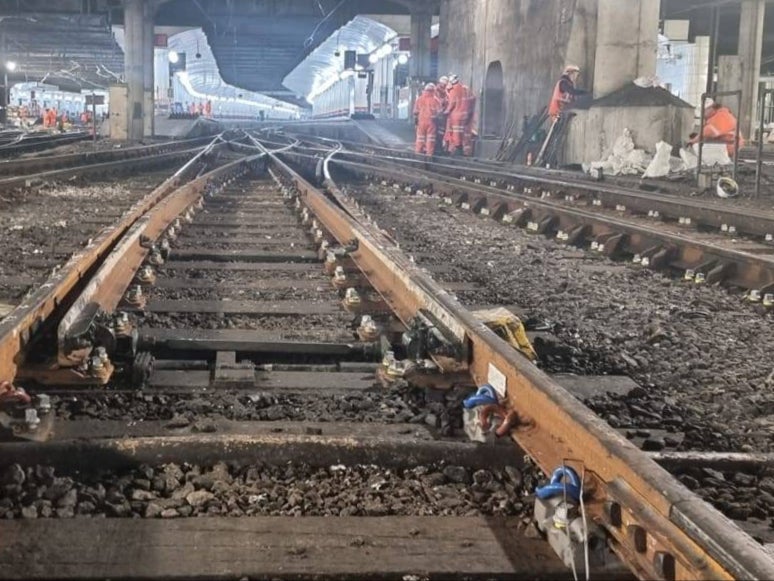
column 751, row 268
column 36, row 311
column 49, row 162
column 106, row 288
column 755, row 222
column 33, row 142
column 659, row 528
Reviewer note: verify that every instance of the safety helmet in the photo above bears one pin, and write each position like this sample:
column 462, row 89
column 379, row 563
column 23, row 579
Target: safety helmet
column 571, row 69
column 429, row 87
column 454, row 79
column 443, row 80
column 709, row 103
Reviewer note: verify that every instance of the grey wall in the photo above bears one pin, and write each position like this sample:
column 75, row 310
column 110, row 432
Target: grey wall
column 534, row 40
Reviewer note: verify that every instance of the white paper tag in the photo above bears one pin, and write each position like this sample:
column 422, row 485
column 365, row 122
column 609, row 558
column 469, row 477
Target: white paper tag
column 497, row 380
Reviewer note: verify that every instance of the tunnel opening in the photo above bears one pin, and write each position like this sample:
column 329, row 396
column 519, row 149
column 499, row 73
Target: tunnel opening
column 494, row 101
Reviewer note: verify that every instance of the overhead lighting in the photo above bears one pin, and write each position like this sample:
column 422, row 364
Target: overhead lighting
column 373, row 58
column 10, row 66
column 174, row 58
column 403, row 58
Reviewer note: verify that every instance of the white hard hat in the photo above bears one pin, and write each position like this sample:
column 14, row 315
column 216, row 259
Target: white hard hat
column 443, row 80
column 429, row 87
column 454, row 79
column 709, row 103
column 571, row 69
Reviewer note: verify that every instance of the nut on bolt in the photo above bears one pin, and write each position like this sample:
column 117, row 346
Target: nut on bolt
column 369, row 330
column 352, row 298
column 146, row 275
column 155, row 257
column 135, row 297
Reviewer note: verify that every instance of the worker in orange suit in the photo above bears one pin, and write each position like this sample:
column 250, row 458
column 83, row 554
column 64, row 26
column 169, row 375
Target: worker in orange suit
column 441, row 93
column 565, row 91
column 719, row 126
column 457, row 110
column 426, row 110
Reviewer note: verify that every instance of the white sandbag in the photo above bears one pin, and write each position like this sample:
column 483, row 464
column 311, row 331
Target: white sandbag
column 690, row 159
column 713, row 154
column 659, row 167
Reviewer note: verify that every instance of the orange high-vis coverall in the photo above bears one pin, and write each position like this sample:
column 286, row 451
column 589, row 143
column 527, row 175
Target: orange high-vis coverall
column 457, row 109
column 720, row 127
column 426, row 110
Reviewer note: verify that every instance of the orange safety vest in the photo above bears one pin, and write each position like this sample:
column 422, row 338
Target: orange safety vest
column 459, row 99
column 559, row 99
column 427, row 107
column 721, row 128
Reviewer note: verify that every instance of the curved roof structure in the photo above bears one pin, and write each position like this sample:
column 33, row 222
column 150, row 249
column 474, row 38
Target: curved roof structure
column 322, row 66
column 202, row 77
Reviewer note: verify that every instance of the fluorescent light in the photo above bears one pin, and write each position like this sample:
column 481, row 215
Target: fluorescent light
column 373, row 58
column 174, row 58
column 10, row 66
column 403, row 58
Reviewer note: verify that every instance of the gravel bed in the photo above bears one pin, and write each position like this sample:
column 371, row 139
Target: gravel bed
column 172, row 491
column 699, row 353
column 307, row 327
column 440, row 410
column 47, row 224
column 321, row 293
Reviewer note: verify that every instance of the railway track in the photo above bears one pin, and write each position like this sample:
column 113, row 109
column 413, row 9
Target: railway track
column 702, row 241
column 30, row 142
column 243, row 291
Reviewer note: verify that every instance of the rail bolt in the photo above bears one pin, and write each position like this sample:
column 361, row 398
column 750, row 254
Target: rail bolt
column 351, row 297
column 121, row 322
column 754, row 296
column 596, row 202
column 689, row 274
column 724, row 228
column 769, row 237
column 533, row 226
column 732, row 230
column 135, row 296
column 101, row 353
column 562, row 235
column 645, row 261
column 595, row 245
column 637, row 259
column 369, row 330
column 768, row 300
column 700, row 278
column 465, row 206
column 155, row 258
column 146, row 274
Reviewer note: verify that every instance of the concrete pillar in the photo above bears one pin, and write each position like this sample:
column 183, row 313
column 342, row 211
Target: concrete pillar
column 148, row 69
column 421, row 25
column 134, row 27
column 750, row 52
column 627, row 43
